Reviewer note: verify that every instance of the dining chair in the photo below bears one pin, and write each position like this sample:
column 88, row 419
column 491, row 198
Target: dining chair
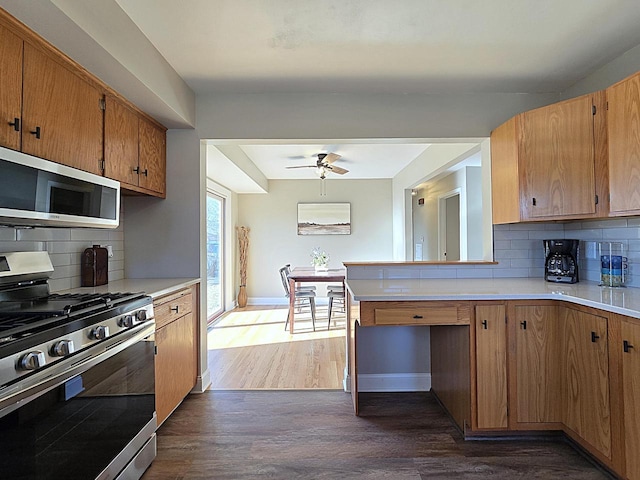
column 303, row 296
column 299, row 287
column 335, row 296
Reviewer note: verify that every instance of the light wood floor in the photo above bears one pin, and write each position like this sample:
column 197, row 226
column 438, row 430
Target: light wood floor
column 250, row 349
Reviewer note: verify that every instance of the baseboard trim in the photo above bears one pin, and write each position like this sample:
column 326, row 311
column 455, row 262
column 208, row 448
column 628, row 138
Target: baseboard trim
column 394, row 382
column 202, row 382
column 280, row 301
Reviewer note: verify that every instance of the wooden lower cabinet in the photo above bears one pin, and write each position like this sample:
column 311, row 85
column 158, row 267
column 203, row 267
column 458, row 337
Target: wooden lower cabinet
column 586, row 378
column 177, row 350
column 630, row 331
column 491, row 366
column 538, row 357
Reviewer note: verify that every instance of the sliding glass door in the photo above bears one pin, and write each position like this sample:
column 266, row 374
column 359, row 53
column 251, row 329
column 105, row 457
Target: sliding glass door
column 215, row 229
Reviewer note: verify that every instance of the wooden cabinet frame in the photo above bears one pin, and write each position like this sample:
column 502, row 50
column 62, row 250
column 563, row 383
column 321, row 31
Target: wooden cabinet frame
column 455, row 367
column 58, row 95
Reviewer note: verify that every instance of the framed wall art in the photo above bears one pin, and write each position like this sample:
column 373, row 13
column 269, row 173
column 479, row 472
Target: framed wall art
column 324, row 219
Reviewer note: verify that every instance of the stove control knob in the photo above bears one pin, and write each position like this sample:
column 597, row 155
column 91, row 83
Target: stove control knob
column 99, row 333
column 62, row 348
column 141, row 315
column 126, row 321
column 32, row 361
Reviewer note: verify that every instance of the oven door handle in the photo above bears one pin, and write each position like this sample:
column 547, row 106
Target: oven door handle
column 14, row 396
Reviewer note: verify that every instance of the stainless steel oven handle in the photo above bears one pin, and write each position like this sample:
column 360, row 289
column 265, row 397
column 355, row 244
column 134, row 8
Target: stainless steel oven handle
column 32, row 387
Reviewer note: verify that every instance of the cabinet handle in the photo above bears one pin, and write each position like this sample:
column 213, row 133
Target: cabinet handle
column 136, row 170
column 417, row 316
column 145, row 172
column 15, row 124
column 484, row 324
column 524, row 324
column 36, row 132
column 594, row 337
column 533, row 200
column 626, row 346
column 175, row 309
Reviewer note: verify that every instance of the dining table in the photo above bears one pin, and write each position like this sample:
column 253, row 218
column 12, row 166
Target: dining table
column 300, row 275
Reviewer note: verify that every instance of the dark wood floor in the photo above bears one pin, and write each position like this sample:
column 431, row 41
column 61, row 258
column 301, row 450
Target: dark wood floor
column 314, row 435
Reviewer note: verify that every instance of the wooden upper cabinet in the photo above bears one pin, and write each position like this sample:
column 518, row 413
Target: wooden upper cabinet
column 505, row 191
column 631, row 394
column 557, row 159
column 62, row 114
column 586, row 398
column 152, row 157
column 120, row 142
column 623, row 101
column 491, row 367
column 10, row 89
column 538, row 355
column 551, row 163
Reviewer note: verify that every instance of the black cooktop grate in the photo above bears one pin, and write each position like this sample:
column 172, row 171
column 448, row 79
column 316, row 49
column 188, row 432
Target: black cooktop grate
column 24, row 317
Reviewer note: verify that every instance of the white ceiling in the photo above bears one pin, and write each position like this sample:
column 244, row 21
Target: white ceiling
column 362, row 160
column 380, row 46
column 386, row 46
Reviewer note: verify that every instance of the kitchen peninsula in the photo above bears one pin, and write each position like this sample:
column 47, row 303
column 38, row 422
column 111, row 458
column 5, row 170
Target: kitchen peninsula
column 519, row 355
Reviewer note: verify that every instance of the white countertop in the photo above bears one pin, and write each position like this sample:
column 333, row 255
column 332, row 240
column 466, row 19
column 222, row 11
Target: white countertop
column 156, row 287
column 625, row 301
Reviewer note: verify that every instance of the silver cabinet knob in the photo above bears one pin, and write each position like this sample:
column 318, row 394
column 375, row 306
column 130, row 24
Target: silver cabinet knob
column 99, row 333
column 126, row 321
column 62, row 348
column 32, row 360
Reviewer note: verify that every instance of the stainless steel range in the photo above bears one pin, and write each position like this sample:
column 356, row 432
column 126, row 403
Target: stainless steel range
column 77, row 384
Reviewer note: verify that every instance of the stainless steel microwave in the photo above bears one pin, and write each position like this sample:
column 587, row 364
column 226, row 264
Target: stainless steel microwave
column 37, row 192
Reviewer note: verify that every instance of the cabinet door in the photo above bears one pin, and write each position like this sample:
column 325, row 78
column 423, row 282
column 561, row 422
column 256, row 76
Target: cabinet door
column 586, row 378
column 67, row 111
column 505, row 185
column 491, row 367
column 557, row 159
column 631, row 396
column 538, row 355
column 175, row 364
column 152, row 158
column 120, row 142
column 623, row 123
column 10, row 89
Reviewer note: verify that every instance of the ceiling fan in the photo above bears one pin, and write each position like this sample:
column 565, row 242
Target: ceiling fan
column 324, row 164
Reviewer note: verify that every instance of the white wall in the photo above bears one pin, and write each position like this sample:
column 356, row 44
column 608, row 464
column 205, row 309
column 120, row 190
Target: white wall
column 274, row 241
column 308, row 116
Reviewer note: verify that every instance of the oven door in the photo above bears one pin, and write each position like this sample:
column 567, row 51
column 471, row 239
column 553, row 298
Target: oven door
column 88, row 425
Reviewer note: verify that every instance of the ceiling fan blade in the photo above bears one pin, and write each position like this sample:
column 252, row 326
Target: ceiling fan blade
column 338, row 170
column 303, row 166
column 331, row 157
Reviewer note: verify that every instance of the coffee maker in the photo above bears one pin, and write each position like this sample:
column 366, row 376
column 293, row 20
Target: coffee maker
column 561, row 260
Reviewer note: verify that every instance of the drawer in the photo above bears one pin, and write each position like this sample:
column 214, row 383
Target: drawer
column 173, row 306
column 419, row 316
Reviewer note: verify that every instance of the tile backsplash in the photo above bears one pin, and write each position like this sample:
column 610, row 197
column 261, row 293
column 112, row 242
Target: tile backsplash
column 519, row 252
column 65, row 247
column 521, row 244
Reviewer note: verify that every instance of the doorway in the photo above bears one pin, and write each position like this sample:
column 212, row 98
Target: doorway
column 449, row 213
